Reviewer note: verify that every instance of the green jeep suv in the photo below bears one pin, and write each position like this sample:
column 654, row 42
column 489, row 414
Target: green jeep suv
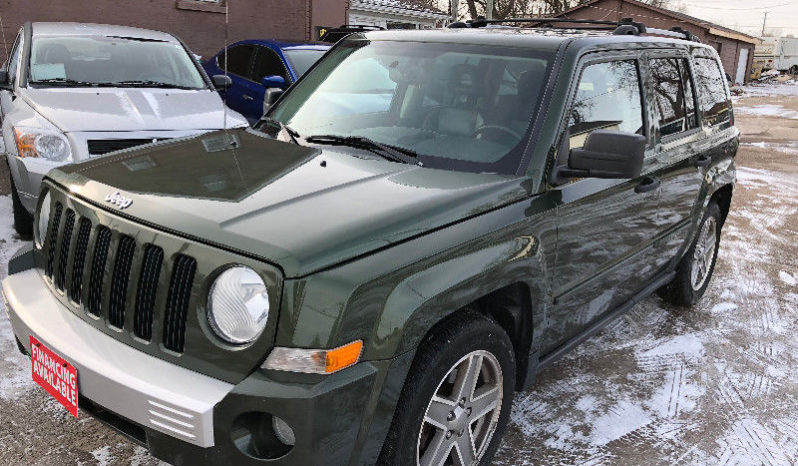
column 416, row 227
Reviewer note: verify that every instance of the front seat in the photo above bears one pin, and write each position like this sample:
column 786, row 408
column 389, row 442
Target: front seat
column 459, row 115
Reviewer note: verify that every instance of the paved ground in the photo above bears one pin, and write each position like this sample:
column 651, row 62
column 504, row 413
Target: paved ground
column 717, row 384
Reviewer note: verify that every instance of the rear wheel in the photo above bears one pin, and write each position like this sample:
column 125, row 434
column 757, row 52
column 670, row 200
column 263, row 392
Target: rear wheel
column 457, row 396
column 696, row 267
column 23, row 220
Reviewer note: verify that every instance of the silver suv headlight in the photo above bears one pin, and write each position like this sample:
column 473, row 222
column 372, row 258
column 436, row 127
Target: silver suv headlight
column 43, row 221
column 44, row 143
column 238, row 305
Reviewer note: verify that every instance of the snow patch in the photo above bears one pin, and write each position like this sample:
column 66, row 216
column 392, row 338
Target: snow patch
column 689, row 345
column 788, row 278
column 103, row 456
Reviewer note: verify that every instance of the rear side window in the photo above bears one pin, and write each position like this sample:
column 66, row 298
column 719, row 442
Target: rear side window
column 608, row 98
column 238, row 60
column 267, row 63
column 712, row 97
column 674, row 95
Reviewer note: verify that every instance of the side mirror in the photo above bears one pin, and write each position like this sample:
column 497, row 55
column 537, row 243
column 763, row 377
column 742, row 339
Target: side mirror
column 5, row 83
column 221, row 82
column 607, row 154
column 271, row 96
column 273, row 81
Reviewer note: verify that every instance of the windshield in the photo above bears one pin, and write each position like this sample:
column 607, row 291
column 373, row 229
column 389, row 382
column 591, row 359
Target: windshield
column 459, row 107
column 99, row 60
column 302, row 60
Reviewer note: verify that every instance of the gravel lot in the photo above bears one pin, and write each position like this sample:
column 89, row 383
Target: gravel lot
column 717, row 384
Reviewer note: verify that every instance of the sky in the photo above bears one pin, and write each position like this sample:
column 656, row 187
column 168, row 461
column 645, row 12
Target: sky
column 747, row 15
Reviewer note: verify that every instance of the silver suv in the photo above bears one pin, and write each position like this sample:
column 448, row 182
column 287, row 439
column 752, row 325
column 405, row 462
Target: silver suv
column 72, row 91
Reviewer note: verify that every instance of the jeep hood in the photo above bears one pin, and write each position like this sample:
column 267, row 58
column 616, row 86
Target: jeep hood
column 297, row 207
column 131, row 109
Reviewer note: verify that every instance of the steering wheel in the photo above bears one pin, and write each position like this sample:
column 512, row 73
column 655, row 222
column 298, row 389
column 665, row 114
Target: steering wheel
column 501, row 129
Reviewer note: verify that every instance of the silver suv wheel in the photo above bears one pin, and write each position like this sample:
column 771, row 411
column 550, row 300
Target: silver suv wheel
column 704, row 253
column 462, row 415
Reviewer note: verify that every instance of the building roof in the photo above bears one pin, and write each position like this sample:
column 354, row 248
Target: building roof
column 87, row 29
column 712, row 28
column 400, row 7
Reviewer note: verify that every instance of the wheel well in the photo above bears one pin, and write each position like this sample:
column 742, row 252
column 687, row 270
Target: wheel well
column 723, row 197
column 511, row 308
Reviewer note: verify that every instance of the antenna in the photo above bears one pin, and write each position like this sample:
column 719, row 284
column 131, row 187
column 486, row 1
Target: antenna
column 226, row 37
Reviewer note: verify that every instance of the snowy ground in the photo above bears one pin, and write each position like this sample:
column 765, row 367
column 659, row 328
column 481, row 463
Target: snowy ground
column 717, row 384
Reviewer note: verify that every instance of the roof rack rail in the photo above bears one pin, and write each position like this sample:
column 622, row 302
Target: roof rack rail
column 626, row 26
column 629, row 26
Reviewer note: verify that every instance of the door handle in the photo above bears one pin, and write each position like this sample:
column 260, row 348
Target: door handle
column 703, row 161
column 246, row 97
column 648, row 184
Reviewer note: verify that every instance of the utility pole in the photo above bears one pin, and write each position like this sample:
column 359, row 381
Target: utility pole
column 489, row 12
column 764, row 22
column 455, row 5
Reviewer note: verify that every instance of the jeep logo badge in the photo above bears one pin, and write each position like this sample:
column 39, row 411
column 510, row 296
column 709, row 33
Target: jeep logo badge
column 119, row 200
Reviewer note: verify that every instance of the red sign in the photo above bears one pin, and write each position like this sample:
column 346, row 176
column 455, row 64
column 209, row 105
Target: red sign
column 55, row 375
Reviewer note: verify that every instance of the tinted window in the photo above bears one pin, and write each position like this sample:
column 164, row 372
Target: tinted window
column 675, row 100
column 238, row 60
column 267, row 63
column 712, row 97
column 608, row 98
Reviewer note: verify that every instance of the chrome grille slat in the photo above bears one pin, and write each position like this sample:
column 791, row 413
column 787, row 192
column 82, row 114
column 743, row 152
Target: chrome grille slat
column 177, row 302
column 52, row 233
column 119, row 280
column 66, row 242
column 103, row 242
column 148, row 286
column 79, row 257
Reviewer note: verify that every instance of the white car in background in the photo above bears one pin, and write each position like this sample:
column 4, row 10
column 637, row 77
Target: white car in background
column 71, row 91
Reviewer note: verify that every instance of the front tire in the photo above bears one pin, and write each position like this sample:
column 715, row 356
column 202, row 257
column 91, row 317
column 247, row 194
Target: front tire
column 23, row 220
column 694, row 272
column 457, row 397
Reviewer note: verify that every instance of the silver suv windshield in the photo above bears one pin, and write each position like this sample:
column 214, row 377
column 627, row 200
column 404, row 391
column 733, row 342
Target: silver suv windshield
column 111, row 61
column 457, row 106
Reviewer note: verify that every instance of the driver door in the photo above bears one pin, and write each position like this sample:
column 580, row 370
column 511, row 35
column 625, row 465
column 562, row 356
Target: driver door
column 605, row 228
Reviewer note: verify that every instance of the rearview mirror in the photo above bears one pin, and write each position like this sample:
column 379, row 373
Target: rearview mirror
column 273, row 81
column 271, row 96
column 221, row 82
column 4, row 81
column 607, row 154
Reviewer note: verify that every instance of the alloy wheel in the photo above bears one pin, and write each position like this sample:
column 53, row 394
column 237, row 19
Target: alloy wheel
column 463, row 414
column 704, row 253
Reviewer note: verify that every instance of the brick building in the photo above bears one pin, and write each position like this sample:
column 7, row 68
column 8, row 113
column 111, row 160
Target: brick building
column 200, row 23
column 736, row 49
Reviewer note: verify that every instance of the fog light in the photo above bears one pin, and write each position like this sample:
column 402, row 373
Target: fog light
column 262, row 435
column 283, row 431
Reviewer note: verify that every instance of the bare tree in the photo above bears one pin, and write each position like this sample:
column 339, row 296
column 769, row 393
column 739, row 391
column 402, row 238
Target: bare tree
column 519, row 8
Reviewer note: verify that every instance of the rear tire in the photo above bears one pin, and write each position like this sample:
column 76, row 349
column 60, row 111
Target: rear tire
column 23, row 220
column 694, row 271
column 794, row 70
column 437, row 415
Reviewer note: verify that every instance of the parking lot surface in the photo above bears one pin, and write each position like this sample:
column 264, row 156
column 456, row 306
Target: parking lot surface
column 717, row 384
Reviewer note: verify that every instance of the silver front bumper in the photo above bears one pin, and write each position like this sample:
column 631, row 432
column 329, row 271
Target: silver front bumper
column 146, row 390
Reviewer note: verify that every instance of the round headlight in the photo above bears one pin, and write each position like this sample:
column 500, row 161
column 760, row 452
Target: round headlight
column 238, row 305
column 44, row 220
column 52, row 147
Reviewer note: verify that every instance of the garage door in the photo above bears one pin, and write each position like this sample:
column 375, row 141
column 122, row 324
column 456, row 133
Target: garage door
column 742, row 66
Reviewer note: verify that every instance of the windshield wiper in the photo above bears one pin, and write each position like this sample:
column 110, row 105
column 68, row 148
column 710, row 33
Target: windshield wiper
column 396, row 154
column 265, row 120
column 146, row 83
column 65, row 82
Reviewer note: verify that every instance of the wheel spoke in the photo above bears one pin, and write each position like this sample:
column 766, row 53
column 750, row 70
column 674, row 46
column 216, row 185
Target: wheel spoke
column 438, row 412
column 438, row 450
column 484, row 403
column 467, row 376
column 465, row 454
